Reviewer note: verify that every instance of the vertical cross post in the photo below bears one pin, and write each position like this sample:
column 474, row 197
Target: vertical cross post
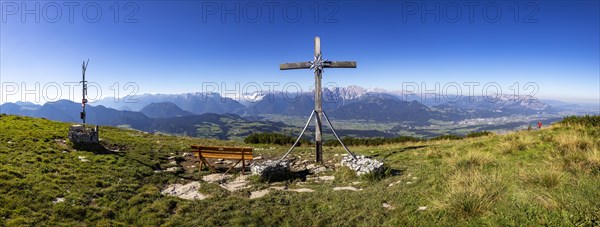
column 84, row 91
column 318, row 104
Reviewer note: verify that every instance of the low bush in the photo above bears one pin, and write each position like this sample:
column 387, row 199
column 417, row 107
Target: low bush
column 586, row 120
column 272, row 138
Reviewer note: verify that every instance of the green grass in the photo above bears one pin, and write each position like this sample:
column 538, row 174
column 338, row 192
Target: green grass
column 542, row 177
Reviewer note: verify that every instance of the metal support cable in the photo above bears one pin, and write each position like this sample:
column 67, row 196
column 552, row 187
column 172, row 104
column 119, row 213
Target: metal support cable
column 300, row 136
column 336, row 136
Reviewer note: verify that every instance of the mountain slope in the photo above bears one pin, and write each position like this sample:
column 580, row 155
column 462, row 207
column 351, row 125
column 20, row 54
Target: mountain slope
column 197, row 103
column 384, row 108
column 163, row 110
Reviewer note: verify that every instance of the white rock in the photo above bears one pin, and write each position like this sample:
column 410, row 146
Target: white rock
column 327, row 178
column 422, row 208
column 215, row 177
column 237, row 184
column 58, row 200
column 83, row 159
column 279, row 188
column 394, row 183
column 349, row 188
column 270, row 168
column 362, row 165
column 258, row 194
column 387, row 205
column 318, row 170
column 188, row 191
column 172, row 169
column 187, row 154
column 301, row 190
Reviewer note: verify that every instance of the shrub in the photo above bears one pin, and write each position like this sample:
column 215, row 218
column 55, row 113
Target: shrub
column 479, row 134
column 586, row 120
column 272, row 138
column 448, row 137
column 351, row 141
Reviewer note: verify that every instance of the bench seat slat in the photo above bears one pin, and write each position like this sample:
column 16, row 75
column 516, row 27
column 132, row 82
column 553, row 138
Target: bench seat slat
column 208, row 148
column 236, row 153
column 224, row 152
column 225, row 156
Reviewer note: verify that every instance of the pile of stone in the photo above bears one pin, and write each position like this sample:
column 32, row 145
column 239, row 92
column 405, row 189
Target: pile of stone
column 363, row 165
column 271, row 169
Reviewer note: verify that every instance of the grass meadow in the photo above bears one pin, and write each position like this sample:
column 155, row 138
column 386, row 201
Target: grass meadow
column 541, row 177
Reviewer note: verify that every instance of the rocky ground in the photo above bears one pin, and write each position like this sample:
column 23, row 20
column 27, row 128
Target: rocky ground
column 301, row 173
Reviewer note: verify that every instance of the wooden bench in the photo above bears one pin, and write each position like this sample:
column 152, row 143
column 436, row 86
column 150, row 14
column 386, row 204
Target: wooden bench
column 232, row 153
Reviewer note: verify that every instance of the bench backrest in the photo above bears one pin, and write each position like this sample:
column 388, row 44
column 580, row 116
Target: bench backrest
column 223, row 152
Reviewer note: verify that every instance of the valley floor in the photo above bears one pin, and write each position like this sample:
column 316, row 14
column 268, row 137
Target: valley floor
column 541, row 177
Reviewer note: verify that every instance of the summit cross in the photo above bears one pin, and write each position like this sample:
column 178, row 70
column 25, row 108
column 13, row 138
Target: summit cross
column 317, row 65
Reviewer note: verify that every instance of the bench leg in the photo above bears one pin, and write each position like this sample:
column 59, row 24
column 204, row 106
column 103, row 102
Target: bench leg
column 200, row 168
column 233, row 166
column 211, row 168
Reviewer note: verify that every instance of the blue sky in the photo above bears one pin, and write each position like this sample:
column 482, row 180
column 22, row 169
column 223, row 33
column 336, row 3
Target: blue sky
column 177, row 46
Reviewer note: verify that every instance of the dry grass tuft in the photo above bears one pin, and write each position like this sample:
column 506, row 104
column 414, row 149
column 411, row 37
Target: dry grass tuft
column 592, row 162
column 438, row 153
column 546, row 201
column 471, row 193
column 579, row 151
column 472, row 160
column 574, row 142
column 513, row 143
column 548, row 177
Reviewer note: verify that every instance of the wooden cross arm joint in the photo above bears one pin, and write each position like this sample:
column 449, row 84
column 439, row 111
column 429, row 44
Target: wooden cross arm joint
column 326, row 64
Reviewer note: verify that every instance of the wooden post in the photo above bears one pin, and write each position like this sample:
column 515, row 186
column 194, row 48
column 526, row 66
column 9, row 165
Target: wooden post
column 318, row 105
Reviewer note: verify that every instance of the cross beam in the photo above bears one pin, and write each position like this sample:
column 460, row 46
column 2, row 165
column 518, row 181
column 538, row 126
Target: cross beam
column 317, row 66
column 326, row 64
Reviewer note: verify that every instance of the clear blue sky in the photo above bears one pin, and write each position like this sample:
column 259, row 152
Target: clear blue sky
column 176, row 46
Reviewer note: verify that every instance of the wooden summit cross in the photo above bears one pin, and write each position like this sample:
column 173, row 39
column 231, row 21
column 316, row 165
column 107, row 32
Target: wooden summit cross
column 317, row 66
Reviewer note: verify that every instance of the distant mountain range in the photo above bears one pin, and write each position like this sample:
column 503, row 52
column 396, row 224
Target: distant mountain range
column 351, row 102
column 208, row 125
column 210, row 115
column 197, row 103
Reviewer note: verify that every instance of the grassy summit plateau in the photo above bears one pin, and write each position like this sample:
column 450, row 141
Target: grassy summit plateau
column 549, row 176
